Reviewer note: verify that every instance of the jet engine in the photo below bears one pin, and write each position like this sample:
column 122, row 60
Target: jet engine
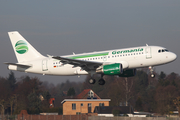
column 111, row 69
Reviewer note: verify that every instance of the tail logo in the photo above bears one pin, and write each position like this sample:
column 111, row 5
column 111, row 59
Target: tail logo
column 21, row 47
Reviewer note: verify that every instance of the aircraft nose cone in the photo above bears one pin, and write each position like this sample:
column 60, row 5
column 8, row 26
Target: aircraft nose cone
column 173, row 56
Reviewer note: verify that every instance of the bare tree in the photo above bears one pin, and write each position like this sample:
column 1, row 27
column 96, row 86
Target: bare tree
column 127, row 85
column 3, row 105
column 11, row 102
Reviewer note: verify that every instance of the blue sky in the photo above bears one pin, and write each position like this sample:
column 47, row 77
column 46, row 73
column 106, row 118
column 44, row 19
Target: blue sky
column 62, row 27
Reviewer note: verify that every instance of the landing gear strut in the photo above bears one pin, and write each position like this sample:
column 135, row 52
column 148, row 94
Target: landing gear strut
column 152, row 73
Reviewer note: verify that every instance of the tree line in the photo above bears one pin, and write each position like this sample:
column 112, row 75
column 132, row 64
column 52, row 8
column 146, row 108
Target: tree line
column 143, row 93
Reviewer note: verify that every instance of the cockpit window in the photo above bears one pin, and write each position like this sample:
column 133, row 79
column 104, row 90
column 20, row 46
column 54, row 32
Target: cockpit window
column 163, row 50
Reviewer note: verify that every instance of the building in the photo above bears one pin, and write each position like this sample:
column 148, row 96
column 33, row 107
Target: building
column 85, row 102
column 87, row 94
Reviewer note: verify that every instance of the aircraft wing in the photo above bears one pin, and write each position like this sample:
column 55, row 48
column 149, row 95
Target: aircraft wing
column 20, row 65
column 85, row 65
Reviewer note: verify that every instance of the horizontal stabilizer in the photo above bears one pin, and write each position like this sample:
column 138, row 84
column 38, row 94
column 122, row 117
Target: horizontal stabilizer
column 19, row 65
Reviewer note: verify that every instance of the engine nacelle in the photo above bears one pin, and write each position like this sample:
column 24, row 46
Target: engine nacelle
column 128, row 73
column 111, row 69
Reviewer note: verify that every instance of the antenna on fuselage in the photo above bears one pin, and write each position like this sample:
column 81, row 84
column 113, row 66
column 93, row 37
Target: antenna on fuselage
column 146, row 44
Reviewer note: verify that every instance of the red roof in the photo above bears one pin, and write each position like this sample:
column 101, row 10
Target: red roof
column 84, row 94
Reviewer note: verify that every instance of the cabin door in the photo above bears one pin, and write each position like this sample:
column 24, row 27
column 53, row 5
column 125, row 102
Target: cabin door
column 44, row 65
column 148, row 53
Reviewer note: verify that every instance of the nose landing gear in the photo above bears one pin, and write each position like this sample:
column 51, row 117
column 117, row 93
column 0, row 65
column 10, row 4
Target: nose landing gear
column 152, row 72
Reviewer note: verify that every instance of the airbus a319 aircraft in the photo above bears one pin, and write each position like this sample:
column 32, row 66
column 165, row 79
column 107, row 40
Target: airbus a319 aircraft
column 121, row 62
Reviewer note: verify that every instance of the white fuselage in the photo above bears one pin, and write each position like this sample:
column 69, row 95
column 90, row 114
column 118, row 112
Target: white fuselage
column 130, row 58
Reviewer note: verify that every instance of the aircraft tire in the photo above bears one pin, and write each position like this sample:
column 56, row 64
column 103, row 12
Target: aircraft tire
column 101, row 82
column 152, row 76
column 92, row 81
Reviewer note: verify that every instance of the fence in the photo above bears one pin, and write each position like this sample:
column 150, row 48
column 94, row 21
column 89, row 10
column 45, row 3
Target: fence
column 79, row 117
column 131, row 118
column 53, row 117
column 8, row 117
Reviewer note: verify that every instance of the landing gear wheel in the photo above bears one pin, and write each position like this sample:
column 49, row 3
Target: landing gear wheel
column 92, row 81
column 152, row 76
column 101, row 81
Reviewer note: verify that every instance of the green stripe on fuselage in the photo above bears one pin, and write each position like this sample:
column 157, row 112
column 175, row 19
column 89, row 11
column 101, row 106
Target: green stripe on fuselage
column 89, row 55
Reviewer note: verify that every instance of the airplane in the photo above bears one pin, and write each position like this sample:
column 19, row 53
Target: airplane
column 120, row 62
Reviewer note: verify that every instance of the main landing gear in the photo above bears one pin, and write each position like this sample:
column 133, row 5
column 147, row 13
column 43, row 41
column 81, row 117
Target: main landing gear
column 100, row 81
column 152, row 73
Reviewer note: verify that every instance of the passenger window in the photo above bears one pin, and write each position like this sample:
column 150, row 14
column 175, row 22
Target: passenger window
column 159, row 51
